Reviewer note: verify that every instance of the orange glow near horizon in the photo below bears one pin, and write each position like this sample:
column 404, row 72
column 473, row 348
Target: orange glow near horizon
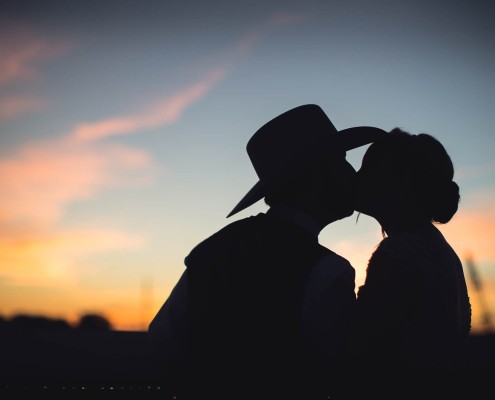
column 43, row 262
column 38, row 266
column 126, row 313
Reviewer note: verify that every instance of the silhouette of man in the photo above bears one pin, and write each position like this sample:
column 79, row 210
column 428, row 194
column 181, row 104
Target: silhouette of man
column 262, row 309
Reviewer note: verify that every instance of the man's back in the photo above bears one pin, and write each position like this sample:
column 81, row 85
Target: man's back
column 246, row 284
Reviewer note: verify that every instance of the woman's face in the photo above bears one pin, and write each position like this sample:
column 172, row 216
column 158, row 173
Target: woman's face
column 337, row 188
column 343, row 193
column 374, row 183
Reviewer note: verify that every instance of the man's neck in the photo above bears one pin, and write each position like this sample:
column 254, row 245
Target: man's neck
column 298, row 217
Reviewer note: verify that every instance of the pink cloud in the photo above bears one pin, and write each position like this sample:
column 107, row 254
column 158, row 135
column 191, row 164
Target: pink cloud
column 54, row 173
column 247, row 42
column 14, row 106
column 162, row 113
column 41, row 179
column 39, row 182
column 21, row 51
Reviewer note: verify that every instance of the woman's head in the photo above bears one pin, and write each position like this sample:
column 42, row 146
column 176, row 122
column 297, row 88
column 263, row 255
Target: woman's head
column 407, row 177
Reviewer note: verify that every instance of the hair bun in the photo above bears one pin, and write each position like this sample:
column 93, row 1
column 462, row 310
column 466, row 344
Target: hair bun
column 445, row 202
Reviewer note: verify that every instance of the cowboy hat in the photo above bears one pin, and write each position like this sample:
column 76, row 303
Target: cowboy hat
column 288, row 143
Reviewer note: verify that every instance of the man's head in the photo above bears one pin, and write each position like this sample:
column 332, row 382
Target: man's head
column 325, row 190
column 302, row 150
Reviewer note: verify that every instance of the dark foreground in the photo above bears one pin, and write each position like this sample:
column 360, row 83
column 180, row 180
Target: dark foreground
column 99, row 363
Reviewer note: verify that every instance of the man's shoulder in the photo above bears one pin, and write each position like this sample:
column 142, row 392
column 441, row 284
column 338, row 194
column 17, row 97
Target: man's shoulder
column 231, row 230
column 332, row 265
column 332, row 269
column 331, row 258
column 221, row 239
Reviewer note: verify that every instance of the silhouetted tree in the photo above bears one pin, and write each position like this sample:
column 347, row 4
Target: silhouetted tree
column 95, row 322
column 36, row 321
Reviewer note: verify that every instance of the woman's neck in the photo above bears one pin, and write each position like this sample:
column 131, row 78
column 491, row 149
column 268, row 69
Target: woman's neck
column 392, row 225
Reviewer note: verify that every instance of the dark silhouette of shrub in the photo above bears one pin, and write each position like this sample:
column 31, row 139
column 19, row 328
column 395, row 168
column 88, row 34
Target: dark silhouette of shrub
column 36, row 321
column 94, row 322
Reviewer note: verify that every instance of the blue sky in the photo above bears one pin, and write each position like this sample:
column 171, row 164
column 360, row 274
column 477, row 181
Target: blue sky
column 123, row 127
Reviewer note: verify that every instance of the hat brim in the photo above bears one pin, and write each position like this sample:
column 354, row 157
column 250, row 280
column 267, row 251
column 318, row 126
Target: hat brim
column 346, row 139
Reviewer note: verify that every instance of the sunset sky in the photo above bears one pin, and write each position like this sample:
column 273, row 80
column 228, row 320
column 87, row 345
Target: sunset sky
column 123, row 128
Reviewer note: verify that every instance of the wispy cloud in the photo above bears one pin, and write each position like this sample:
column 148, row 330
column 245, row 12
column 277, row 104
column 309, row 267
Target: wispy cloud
column 21, row 53
column 21, row 50
column 247, row 42
column 55, row 172
column 162, row 113
column 39, row 182
column 16, row 105
column 41, row 179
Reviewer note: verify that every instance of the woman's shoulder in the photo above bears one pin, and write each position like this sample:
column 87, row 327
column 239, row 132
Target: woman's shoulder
column 393, row 266
column 425, row 240
column 404, row 251
column 409, row 250
column 400, row 245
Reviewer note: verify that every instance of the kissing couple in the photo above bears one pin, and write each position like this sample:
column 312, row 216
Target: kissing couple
column 264, row 311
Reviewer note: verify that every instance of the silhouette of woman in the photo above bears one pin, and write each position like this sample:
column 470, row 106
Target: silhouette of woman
column 413, row 315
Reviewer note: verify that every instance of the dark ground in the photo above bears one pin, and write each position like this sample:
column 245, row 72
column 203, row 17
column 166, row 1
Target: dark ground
column 74, row 361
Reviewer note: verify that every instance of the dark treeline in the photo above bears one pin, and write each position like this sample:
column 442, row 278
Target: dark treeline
column 39, row 354
column 86, row 321
column 52, row 356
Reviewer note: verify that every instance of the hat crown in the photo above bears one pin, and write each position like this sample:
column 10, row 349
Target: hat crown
column 287, row 136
